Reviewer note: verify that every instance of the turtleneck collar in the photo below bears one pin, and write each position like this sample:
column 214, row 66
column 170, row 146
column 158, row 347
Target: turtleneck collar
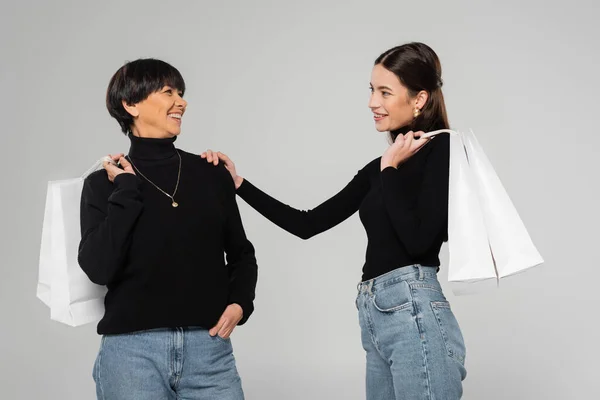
column 399, row 131
column 150, row 148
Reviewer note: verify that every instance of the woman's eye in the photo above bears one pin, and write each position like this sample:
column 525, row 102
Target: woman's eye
column 385, row 93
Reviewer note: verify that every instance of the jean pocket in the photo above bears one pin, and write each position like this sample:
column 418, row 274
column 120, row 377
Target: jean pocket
column 450, row 330
column 393, row 298
column 222, row 339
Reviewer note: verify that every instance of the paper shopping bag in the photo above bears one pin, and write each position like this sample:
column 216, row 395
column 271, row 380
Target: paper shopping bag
column 62, row 285
column 486, row 237
column 511, row 245
column 471, row 265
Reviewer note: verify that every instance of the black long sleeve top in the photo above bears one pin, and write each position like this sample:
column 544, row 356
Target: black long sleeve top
column 165, row 266
column 404, row 211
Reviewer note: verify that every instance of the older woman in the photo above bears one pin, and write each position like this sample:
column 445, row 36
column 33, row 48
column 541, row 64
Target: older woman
column 155, row 226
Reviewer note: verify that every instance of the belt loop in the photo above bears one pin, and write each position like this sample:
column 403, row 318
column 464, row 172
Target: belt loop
column 370, row 286
column 421, row 277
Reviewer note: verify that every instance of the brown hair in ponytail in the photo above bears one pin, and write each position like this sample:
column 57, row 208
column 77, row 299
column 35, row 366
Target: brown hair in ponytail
column 418, row 68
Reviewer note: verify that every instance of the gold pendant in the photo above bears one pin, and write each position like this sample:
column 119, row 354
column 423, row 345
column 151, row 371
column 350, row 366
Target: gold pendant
column 175, row 204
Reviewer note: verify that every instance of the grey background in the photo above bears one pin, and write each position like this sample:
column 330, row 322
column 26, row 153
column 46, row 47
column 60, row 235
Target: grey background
column 282, row 87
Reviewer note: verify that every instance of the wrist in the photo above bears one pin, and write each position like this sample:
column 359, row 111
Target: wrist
column 239, row 308
column 386, row 164
column 238, row 181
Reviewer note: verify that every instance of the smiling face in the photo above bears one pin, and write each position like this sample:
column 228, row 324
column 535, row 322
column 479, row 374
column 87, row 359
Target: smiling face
column 390, row 100
column 159, row 115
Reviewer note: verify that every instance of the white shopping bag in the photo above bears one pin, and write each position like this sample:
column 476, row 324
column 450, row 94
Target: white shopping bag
column 486, row 238
column 62, row 285
column 471, row 265
column 512, row 247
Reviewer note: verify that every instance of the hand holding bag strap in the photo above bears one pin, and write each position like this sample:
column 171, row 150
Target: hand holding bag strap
column 435, row 133
column 97, row 165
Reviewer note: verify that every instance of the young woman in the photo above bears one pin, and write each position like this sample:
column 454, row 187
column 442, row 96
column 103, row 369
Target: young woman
column 414, row 347
column 154, row 231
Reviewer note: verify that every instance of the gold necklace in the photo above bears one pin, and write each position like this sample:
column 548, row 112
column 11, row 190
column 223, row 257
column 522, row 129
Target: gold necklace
column 172, row 197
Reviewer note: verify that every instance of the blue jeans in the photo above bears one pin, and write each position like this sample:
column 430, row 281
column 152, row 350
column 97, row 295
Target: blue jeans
column 161, row 364
column 414, row 346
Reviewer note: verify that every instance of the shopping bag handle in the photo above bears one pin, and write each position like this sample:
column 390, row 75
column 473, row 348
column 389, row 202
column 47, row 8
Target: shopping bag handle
column 96, row 166
column 435, row 133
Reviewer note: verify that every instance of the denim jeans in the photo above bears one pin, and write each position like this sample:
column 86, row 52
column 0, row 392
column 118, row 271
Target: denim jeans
column 162, row 364
column 413, row 343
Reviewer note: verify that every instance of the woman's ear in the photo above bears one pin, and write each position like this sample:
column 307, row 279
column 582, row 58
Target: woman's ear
column 131, row 109
column 421, row 99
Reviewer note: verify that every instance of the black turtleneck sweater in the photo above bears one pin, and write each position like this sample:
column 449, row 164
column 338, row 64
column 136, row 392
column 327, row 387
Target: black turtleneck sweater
column 165, row 266
column 404, row 210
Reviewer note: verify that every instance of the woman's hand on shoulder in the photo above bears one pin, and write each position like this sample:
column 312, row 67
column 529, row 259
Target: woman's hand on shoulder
column 215, row 156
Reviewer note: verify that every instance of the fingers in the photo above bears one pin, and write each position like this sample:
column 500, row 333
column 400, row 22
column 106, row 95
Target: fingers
column 211, row 157
column 207, row 155
column 109, row 159
column 228, row 321
column 109, row 166
column 231, row 318
column 225, row 330
column 405, row 141
column 217, row 328
column 225, row 159
column 414, row 141
column 111, row 170
column 409, row 138
column 215, row 156
column 399, row 140
column 422, row 141
column 124, row 163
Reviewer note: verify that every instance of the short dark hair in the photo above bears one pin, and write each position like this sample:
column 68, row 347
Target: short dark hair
column 134, row 82
column 418, row 68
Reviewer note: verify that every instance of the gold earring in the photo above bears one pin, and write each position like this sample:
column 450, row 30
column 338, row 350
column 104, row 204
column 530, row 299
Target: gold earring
column 417, row 112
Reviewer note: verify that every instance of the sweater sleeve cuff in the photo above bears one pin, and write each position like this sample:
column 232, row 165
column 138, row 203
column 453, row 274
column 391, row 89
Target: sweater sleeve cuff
column 127, row 181
column 388, row 172
column 390, row 176
column 247, row 308
column 244, row 188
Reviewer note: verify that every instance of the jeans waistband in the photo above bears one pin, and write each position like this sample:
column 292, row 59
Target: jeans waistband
column 399, row 274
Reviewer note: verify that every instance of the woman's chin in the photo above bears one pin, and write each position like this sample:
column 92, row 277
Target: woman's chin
column 380, row 128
